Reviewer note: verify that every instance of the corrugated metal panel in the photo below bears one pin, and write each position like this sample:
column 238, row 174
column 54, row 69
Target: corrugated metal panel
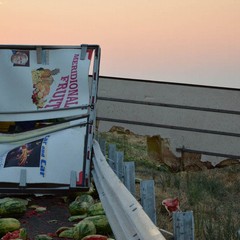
column 200, row 118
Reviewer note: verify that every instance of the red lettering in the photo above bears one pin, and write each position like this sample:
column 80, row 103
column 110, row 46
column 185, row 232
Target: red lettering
column 60, row 94
column 73, row 92
column 62, row 86
column 68, row 104
column 65, row 79
column 54, row 106
column 73, row 85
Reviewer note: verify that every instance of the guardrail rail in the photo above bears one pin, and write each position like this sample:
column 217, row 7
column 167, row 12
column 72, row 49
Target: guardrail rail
column 125, row 214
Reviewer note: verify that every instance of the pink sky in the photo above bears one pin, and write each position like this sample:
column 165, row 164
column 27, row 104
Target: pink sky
column 185, row 41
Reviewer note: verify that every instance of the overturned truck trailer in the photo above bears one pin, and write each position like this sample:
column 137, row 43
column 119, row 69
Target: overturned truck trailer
column 47, row 116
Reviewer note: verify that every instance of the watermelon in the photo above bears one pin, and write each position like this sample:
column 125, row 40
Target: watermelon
column 23, row 233
column 78, row 208
column 12, row 207
column 8, row 225
column 85, row 198
column 23, row 201
column 61, row 229
column 96, row 209
column 101, row 223
column 83, row 229
column 43, row 237
column 68, row 233
column 95, row 237
column 17, row 234
column 77, row 218
column 92, row 191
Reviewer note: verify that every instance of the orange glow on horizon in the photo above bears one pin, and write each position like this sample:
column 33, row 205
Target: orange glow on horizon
column 162, row 40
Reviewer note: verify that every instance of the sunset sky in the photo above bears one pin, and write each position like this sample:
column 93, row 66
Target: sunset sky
column 184, row 41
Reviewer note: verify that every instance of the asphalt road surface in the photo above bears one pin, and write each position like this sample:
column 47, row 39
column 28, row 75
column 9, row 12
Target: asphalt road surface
column 46, row 222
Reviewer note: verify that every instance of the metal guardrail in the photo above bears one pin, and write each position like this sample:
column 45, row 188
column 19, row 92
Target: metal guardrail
column 125, row 214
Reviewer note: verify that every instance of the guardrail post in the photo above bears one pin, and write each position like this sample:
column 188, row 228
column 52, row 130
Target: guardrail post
column 102, row 143
column 238, row 235
column 147, row 194
column 111, row 155
column 119, row 164
column 129, row 177
column 183, row 225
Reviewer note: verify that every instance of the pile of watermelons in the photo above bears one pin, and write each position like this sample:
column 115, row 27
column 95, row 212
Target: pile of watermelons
column 86, row 221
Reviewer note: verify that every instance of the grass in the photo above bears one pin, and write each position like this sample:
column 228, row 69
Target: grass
column 213, row 195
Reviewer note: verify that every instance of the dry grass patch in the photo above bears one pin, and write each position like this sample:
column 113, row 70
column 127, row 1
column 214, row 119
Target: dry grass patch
column 212, row 194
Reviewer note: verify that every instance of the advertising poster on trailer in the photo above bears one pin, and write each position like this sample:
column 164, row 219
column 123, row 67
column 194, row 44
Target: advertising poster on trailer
column 60, row 81
column 48, row 159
